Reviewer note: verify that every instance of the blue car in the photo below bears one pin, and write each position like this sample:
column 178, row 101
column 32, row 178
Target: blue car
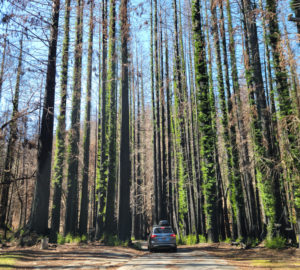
column 162, row 237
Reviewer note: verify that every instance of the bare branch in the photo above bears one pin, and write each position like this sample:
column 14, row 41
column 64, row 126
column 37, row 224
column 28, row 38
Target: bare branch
column 18, row 179
column 18, row 115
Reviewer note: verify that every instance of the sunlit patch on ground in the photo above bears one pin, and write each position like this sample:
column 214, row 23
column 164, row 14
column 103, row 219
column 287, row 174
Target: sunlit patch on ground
column 7, row 261
column 258, row 258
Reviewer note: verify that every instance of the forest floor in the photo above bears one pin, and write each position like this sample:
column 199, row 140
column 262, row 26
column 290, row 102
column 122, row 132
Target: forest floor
column 254, row 258
column 95, row 255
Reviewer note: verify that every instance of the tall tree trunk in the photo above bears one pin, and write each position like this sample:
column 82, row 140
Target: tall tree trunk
column 143, row 158
column 40, row 205
column 195, row 143
column 133, row 144
column 124, row 192
column 268, row 183
column 239, row 179
column 179, row 127
column 185, row 133
column 83, row 220
column 169, row 135
column 252, row 202
column 59, row 157
column 102, row 153
column 157, row 122
column 224, row 119
column 293, row 70
column 205, row 122
column 71, row 217
column 139, row 182
column 230, row 134
column 110, row 226
column 285, row 104
column 155, row 175
column 163, row 137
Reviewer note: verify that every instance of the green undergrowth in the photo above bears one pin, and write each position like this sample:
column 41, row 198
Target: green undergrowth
column 9, row 236
column 113, row 240
column 190, row 239
column 228, row 240
column 251, row 242
column 277, row 242
column 137, row 245
column 71, row 239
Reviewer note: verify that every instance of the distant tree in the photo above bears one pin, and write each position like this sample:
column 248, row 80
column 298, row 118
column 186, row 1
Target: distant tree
column 11, row 146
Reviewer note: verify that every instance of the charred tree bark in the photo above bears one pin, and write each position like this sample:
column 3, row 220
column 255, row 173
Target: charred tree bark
column 40, row 205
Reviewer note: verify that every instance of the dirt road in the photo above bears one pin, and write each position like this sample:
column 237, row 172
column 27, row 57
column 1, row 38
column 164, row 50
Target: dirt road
column 185, row 258
column 97, row 256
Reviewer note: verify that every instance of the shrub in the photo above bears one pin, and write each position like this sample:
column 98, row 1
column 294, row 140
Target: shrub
column 202, row 238
column 252, row 242
column 125, row 243
column 111, row 240
column 275, row 242
column 76, row 239
column 83, row 238
column 228, row 240
column 60, row 239
column 136, row 245
column 68, row 238
column 71, row 239
column 181, row 240
column 191, row 239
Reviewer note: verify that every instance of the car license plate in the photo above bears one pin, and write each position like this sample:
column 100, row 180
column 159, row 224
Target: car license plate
column 164, row 239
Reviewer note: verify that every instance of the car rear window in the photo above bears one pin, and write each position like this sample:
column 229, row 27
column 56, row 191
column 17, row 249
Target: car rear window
column 163, row 230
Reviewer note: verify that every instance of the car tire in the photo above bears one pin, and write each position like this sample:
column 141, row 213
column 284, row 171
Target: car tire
column 174, row 249
column 150, row 249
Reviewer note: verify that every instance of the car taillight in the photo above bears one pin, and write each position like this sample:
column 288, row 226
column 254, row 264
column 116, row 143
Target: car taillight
column 153, row 235
column 173, row 235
